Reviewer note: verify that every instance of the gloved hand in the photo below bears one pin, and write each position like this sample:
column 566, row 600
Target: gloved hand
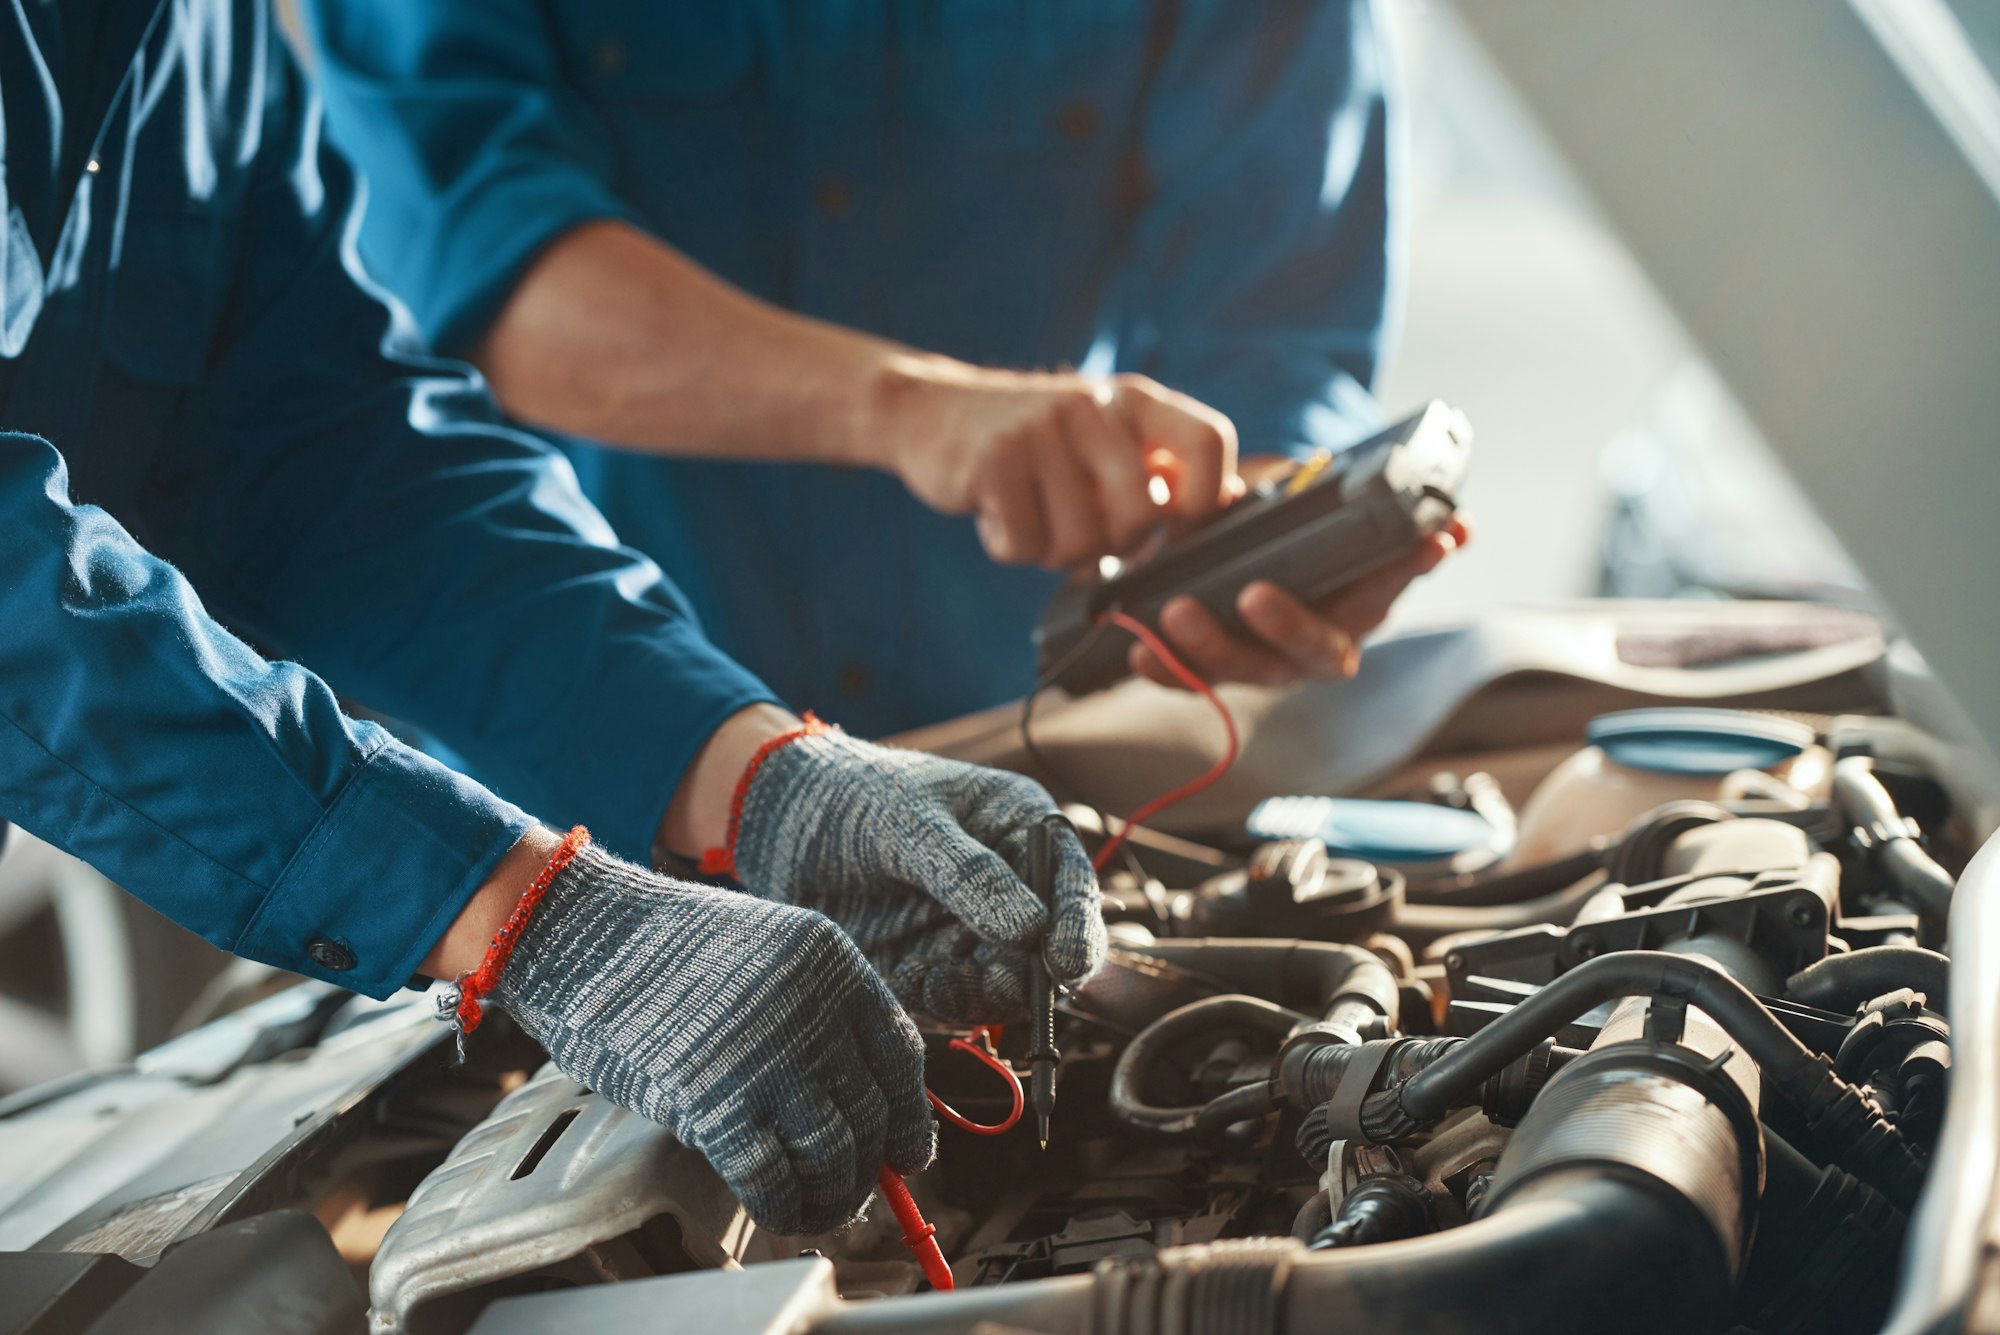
column 921, row 859
column 754, row 1031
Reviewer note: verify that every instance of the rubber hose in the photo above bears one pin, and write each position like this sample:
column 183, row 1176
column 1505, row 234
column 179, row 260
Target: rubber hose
column 1845, row 983
column 1129, row 1106
column 1803, row 1077
column 1304, row 975
column 1914, row 872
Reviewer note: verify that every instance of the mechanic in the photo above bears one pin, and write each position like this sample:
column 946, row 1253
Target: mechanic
column 212, row 443
column 667, row 227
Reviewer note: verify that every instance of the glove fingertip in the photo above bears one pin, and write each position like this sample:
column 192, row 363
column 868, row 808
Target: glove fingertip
column 912, row 1143
column 1077, row 953
column 1077, row 940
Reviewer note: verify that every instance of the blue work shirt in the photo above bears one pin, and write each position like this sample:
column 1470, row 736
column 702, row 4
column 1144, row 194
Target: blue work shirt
column 206, row 444
column 1196, row 191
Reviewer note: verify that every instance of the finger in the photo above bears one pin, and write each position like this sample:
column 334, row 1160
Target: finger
column 974, row 883
column 893, row 1051
column 946, row 990
column 1145, row 663
column 1010, row 508
column 986, row 984
column 1365, row 604
column 1077, row 939
column 1201, row 440
column 1213, row 653
column 858, row 1098
column 1107, row 448
column 1306, row 638
column 755, row 1164
column 1069, row 505
column 833, row 1179
column 909, row 1132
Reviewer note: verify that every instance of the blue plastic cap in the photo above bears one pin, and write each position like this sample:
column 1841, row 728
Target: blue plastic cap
column 1393, row 832
column 1697, row 741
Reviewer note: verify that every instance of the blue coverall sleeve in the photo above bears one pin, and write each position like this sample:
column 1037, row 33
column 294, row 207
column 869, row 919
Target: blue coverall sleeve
column 1260, row 270
column 228, row 791
column 366, row 512
column 480, row 154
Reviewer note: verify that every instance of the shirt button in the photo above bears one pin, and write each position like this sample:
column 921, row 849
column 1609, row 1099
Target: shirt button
column 93, row 166
column 1077, row 120
column 853, row 680
column 610, row 58
column 330, row 954
column 834, row 197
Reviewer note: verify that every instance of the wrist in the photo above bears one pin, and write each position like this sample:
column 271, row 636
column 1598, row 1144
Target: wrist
column 697, row 819
column 905, row 406
column 464, row 943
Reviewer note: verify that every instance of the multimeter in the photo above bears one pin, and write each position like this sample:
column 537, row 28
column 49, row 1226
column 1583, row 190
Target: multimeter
column 1336, row 518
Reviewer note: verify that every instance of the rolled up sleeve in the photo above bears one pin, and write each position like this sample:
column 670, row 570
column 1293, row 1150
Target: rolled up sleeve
column 479, row 154
column 227, row 790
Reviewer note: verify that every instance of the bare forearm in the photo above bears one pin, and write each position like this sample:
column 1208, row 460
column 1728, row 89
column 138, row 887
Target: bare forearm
column 614, row 335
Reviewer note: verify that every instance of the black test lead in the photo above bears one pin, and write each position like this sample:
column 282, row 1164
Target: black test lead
column 1043, row 1057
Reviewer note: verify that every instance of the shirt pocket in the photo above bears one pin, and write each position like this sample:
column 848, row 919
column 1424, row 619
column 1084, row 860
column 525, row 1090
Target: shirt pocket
column 168, row 288
column 653, row 48
column 998, row 77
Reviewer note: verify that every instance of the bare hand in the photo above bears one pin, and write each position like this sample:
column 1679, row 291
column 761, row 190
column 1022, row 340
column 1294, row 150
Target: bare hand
column 1290, row 640
column 1058, row 469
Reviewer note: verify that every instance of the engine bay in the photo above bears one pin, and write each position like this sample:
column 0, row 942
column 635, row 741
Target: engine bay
column 1644, row 1026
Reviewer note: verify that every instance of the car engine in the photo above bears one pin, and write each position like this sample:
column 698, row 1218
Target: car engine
column 1642, row 1023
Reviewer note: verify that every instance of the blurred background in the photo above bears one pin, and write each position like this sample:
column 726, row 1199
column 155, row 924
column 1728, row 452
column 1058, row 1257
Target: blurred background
column 1613, row 458
column 1608, row 448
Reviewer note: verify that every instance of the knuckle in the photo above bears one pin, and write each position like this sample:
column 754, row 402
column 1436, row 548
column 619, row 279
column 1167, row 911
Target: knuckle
column 1010, row 447
column 1078, row 404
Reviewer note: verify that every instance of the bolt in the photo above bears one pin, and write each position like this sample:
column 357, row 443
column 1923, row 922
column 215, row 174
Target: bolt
column 1454, row 962
column 1803, row 911
column 1586, row 945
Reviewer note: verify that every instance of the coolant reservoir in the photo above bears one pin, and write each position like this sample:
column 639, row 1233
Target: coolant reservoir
column 1640, row 758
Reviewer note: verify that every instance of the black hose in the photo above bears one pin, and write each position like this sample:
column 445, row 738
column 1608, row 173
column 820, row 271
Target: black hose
column 1581, row 1253
column 1457, row 1074
column 1569, row 1251
column 1851, row 1129
column 1128, row 1104
column 1329, row 979
column 1891, row 842
column 1845, row 983
column 1303, row 975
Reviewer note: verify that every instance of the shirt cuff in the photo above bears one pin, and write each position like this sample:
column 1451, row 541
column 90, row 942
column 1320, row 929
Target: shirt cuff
column 383, row 874
column 495, row 234
column 625, row 744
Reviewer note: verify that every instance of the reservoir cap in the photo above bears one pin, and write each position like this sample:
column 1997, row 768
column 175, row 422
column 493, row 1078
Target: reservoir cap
column 1697, row 741
column 1391, row 832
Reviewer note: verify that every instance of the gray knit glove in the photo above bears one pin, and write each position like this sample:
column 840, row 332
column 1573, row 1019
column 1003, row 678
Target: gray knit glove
column 755, row 1032
column 921, row 860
